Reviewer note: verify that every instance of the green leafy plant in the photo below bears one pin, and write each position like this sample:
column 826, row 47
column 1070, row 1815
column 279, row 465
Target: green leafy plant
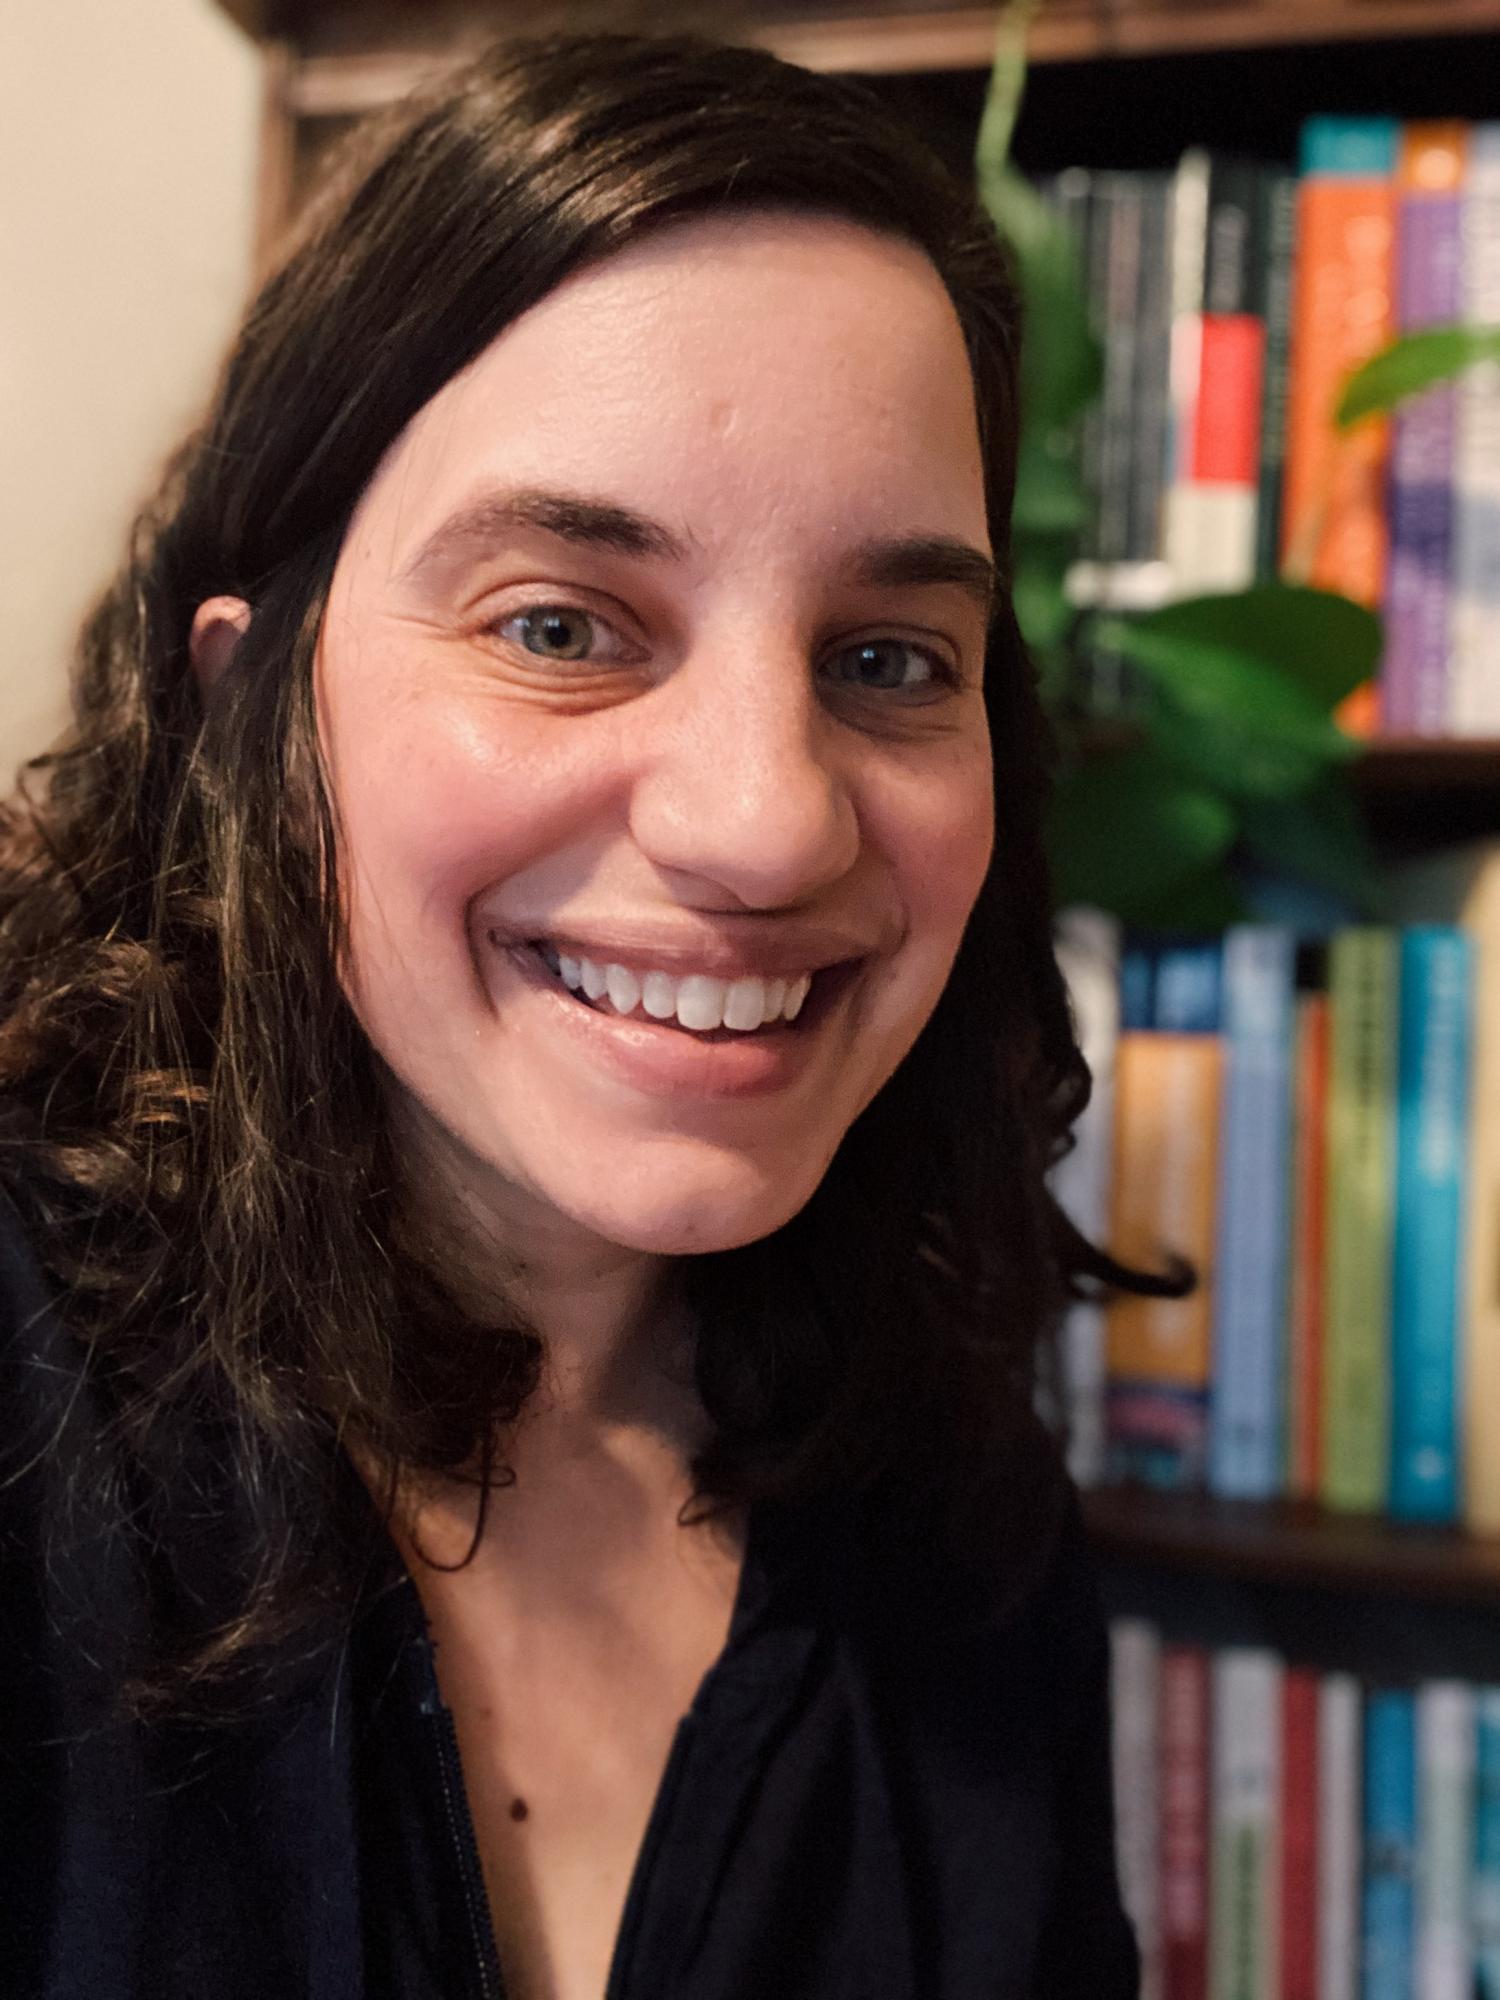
column 1230, row 760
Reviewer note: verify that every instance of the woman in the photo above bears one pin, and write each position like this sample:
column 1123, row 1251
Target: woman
column 530, row 1050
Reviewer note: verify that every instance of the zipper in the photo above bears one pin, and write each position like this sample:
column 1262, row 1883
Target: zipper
column 489, row 1983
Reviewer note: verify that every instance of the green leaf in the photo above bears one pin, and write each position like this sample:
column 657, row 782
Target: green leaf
column 1233, row 652
column 1208, row 900
column 1126, row 831
column 1050, row 497
column 1061, row 364
column 1415, row 362
column 1241, row 760
column 1039, row 566
column 1318, row 838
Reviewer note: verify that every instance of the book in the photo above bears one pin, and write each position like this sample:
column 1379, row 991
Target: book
column 1150, row 419
column 1300, row 1696
column 1390, row 1838
column 1184, row 1832
column 1340, row 1836
column 1363, row 971
column 1088, row 952
column 1187, row 987
column 1168, row 1090
column 1119, row 200
column 1245, row 1456
column 1278, row 238
column 1443, row 1951
column 1218, row 360
column 1246, row 1796
column 1474, row 686
column 1304, row 1340
column 1429, row 293
column 1334, row 518
column 1134, row 1692
column 1432, row 1145
column 1462, row 886
column 1484, row 1898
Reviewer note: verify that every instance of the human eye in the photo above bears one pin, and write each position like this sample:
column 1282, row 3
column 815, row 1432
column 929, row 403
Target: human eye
column 562, row 633
column 889, row 665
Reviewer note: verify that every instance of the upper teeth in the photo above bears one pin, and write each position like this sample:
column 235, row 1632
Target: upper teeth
column 698, row 1001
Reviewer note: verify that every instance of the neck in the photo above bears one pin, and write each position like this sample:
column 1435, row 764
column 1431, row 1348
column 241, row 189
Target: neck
column 616, row 1335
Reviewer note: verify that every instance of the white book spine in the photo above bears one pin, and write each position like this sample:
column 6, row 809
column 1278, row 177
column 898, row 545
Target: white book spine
column 1474, row 699
column 1088, row 952
column 1445, row 1820
column 1340, row 1843
column 1135, row 1697
column 1245, row 1902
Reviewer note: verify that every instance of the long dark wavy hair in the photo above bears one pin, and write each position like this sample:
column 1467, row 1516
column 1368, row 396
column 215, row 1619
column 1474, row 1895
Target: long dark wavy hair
column 190, row 1116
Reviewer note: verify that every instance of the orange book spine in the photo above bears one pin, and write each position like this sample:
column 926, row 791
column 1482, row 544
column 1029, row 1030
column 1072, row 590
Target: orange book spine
column 1304, row 1376
column 1168, row 1090
column 1334, row 500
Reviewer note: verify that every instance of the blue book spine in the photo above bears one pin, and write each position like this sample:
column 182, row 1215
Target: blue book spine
column 1485, row 1890
column 1137, row 986
column 1259, row 976
column 1388, row 1892
column 1432, row 1142
column 1353, row 148
column 1189, row 980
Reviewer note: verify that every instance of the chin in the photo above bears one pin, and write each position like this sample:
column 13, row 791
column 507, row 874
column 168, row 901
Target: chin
column 693, row 1221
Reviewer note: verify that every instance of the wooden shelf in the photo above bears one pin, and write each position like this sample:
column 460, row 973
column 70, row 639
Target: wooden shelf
column 1087, row 30
column 1421, row 792
column 1431, row 763
column 1294, row 1546
column 353, row 54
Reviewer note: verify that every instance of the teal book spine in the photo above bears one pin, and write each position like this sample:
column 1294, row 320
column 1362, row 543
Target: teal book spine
column 1388, row 1892
column 1432, row 1145
column 1485, row 1887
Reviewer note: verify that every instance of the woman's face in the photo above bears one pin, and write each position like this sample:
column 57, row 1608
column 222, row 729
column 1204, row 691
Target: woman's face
column 653, row 659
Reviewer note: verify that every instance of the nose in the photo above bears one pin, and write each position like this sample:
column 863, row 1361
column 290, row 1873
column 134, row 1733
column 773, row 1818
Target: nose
column 747, row 791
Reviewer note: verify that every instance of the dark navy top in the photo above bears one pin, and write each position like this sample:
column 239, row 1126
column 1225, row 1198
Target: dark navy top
column 891, row 1786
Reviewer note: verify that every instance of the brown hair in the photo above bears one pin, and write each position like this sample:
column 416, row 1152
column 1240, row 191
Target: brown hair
column 190, row 1116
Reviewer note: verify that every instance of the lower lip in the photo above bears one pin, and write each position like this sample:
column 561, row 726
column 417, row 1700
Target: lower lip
column 673, row 1062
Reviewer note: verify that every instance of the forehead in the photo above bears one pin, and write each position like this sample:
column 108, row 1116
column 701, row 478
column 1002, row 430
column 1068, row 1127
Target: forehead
column 797, row 372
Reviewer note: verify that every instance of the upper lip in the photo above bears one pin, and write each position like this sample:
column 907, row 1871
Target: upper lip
column 782, row 954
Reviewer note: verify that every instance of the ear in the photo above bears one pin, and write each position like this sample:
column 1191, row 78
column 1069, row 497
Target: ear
column 219, row 624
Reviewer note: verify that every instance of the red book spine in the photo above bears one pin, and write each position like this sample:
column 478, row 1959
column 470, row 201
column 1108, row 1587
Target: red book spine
column 1299, row 1834
column 1226, row 429
column 1184, row 1823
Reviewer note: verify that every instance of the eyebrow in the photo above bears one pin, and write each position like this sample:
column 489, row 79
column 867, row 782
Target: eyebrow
column 889, row 563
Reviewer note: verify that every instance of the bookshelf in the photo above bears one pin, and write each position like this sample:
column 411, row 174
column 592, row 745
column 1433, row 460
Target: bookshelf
column 1114, row 83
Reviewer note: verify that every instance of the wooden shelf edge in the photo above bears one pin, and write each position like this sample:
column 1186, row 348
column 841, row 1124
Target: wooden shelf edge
column 1292, row 1545
column 1083, row 31
column 953, row 38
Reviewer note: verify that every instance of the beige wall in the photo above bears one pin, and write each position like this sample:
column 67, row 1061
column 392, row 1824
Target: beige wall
column 127, row 174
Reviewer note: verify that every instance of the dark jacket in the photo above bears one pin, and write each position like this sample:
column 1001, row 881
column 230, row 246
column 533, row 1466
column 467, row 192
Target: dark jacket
column 885, row 1789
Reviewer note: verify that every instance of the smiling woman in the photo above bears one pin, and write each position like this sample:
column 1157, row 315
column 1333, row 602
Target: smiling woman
column 529, row 1056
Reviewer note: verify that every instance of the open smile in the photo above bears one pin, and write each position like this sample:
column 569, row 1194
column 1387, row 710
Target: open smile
column 696, row 1006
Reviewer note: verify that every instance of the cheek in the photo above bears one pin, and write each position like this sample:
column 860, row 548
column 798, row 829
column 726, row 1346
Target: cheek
column 435, row 799
column 940, row 844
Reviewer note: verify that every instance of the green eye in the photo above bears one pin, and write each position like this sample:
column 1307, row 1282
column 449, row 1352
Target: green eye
column 886, row 664
column 556, row 632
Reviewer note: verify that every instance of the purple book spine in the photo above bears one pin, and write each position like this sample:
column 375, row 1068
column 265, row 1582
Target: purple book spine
column 1418, row 605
